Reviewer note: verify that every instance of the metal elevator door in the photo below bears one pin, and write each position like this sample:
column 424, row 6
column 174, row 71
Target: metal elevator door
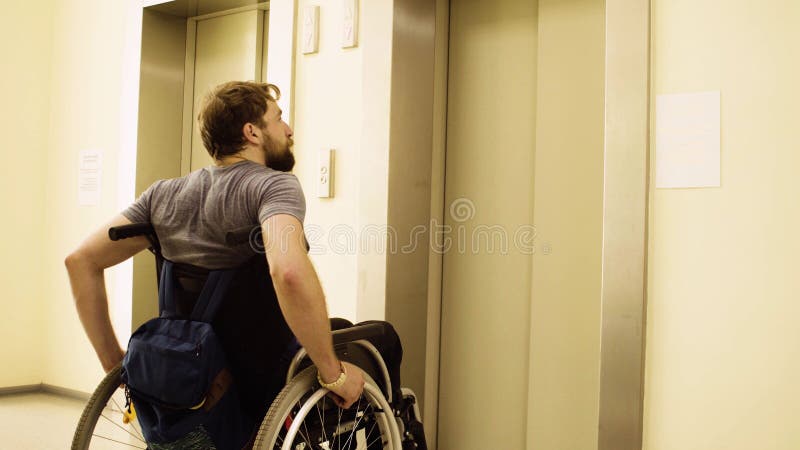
column 488, row 197
column 524, row 196
column 227, row 47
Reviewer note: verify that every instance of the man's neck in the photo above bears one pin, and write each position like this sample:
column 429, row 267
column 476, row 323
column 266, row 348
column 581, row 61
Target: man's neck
column 251, row 153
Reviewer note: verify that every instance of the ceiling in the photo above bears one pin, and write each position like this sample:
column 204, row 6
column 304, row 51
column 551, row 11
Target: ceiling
column 191, row 8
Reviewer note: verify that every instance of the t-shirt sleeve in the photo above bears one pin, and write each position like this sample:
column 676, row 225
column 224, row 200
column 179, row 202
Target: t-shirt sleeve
column 139, row 211
column 282, row 194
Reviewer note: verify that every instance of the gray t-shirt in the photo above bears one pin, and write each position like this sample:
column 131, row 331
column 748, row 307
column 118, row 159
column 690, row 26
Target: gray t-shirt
column 193, row 214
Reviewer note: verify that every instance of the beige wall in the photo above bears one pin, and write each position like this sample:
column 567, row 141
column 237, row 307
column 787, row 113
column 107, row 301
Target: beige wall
column 327, row 115
column 26, row 42
column 376, row 43
column 362, row 102
column 86, row 106
column 722, row 335
column 341, row 103
column 95, row 56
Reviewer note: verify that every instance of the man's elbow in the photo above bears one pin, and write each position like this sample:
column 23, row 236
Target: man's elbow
column 77, row 261
column 72, row 261
column 285, row 276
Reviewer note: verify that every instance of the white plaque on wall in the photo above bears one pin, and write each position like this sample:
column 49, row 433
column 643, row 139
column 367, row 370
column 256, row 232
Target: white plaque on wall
column 349, row 23
column 90, row 177
column 310, row 32
column 688, row 140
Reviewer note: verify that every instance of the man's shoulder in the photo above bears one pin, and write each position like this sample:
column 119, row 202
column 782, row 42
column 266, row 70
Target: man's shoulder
column 262, row 177
column 168, row 184
column 261, row 171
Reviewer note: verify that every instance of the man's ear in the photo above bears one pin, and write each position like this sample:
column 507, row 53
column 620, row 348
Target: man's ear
column 251, row 133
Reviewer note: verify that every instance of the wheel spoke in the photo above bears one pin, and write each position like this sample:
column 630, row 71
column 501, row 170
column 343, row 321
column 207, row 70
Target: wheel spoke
column 119, row 442
column 379, row 438
column 322, row 418
column 355, row 425
column 113, row 422
column 338, row 426
column 136, row 426
column 119, row 408
column 369, row 433
column 132, row 422
column 307, row 435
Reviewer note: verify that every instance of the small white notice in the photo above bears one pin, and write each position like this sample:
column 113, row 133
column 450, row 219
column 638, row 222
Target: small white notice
column 90, row 177
column 688, row 140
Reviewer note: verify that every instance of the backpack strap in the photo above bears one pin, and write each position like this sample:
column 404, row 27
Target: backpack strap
column 212, row 295
column 166, row 291
column 207, row 303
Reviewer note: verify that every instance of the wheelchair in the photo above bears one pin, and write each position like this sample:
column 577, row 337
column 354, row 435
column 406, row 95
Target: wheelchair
column 301, row 417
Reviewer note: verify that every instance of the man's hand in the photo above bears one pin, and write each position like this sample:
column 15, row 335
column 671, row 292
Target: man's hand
column 112, row 359
column 349, row 392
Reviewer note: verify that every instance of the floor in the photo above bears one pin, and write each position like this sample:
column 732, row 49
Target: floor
column 38, row 421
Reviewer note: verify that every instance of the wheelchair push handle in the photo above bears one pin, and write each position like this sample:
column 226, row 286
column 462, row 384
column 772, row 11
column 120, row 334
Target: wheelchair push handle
column 138, row 229
column 357, row 333
column 129, row 231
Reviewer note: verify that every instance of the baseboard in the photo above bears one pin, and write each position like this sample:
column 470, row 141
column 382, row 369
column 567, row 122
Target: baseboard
column 47, row 389
column 65, row 392
column 27, row 389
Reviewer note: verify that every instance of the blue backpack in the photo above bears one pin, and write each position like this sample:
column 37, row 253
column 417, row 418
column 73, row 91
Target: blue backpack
column 176, row 374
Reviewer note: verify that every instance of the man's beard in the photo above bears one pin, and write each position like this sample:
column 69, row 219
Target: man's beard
column 281, row 159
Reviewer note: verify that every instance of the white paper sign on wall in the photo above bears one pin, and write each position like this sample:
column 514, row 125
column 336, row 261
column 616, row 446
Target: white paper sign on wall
column 90, row 177
column 688, row 140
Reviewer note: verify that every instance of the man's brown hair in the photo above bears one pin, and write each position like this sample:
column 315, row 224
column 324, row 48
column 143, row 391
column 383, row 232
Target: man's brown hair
column 227, row 109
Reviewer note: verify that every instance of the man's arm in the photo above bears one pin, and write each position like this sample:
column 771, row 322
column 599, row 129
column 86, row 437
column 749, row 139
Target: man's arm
column 303, row 303
column 85, row 267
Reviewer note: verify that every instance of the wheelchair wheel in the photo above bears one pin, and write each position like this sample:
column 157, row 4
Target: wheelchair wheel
column 102, row 425
column 302, row 417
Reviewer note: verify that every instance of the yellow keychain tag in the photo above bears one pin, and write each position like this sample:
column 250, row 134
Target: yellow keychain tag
column 129, row 415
